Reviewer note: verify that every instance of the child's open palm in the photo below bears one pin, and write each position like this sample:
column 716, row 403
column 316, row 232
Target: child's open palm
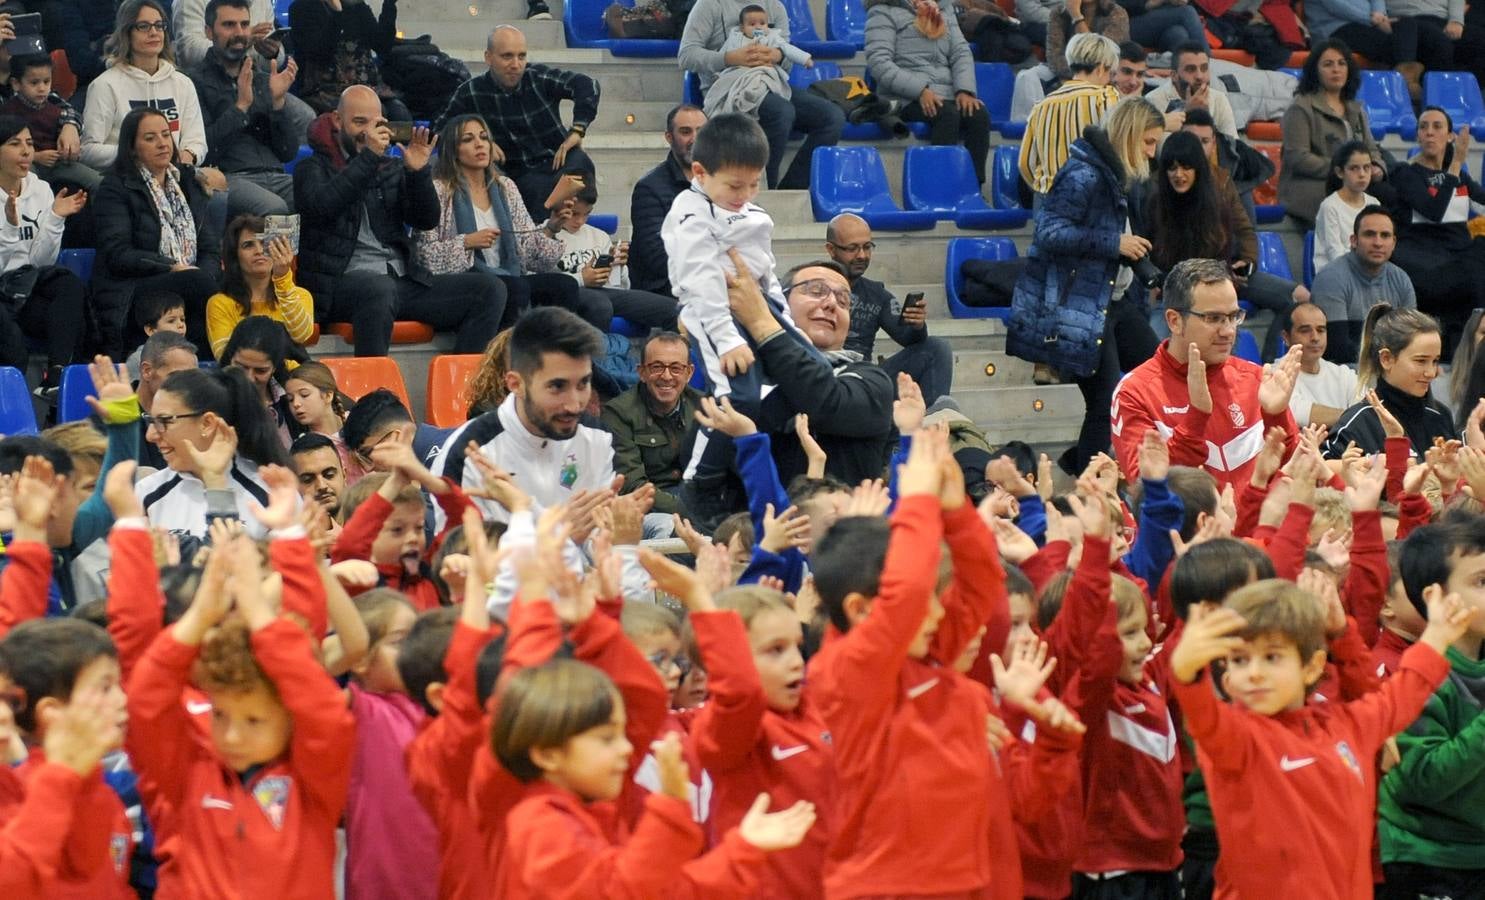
column 282, row 510
column 676, row 580
column 719, row 415
column 675, row 775
column 1028, row 670
column 1091, row 511
column 776, row 831
column 118, row 491
column 923, row 472
column 35, row 491
column 790, row 528
column 1209, row 636
column 1448, row 618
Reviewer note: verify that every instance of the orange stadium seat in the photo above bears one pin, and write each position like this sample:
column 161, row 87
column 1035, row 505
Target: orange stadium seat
column 449, row 378
column 357, row 376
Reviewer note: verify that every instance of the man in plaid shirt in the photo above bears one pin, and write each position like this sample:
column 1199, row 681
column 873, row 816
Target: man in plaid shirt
column 519, row 103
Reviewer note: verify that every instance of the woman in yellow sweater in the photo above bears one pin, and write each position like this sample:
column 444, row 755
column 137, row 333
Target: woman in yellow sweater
column 258, row 280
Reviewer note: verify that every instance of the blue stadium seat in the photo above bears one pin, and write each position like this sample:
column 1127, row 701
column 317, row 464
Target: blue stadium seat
column 17, row 416
column 281, row 12
column 79, row 261
column 962, row 249
column 305, row 152
column 608, row 222
column 621, row 325
column 1291, row 71
column 1308, row 265
column 852, row 179
column 72, row 402
column 802, row 34
column 1458, row 94
column 845, row 20
column 1272, row 257
column 583, row 22
column 1388, row 105
column 1247, row 347
column 691, row 88
column 994, row 83
column 942, row 180
column 1005, row 177
column 801, row 78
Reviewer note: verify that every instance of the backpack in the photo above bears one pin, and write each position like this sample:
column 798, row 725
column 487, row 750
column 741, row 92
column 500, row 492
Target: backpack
column 423, row 75
column 654, row 21
column 860, row 104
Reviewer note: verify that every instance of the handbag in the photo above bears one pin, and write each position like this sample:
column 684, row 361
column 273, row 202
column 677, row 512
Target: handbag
column 16, row 287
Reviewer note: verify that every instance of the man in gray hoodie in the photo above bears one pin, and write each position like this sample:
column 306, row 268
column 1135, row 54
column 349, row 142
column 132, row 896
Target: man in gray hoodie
column 819, row 119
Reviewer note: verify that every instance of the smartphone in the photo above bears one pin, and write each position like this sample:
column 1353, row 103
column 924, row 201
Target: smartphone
column 402, row 132
column 912, row 300
column 604, row 261
column 27, row 40
column 279, row 35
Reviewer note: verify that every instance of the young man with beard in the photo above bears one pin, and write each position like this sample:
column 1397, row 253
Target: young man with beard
column 649, row 267
column 1347, row 288
column 321, row 474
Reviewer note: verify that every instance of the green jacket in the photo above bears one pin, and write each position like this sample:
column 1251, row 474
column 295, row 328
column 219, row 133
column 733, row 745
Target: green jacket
column 1432, row 804
column 647, row 449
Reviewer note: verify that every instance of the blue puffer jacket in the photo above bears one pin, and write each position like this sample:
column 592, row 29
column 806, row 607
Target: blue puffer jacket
column 1058, row 308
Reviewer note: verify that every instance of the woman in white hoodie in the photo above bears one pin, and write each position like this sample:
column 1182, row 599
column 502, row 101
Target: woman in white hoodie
column 141, row 72
column 38, row 298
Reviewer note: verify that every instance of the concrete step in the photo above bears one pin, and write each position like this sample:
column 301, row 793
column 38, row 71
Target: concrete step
column 1038, row 415
column 513, row 11
column 464, row 37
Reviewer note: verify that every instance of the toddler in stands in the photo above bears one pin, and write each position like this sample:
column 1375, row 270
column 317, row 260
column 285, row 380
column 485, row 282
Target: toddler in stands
column 56, row 128
column 742, row 89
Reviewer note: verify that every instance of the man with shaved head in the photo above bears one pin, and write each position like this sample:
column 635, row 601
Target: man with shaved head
column 356, row 204
column 519, row 103
column 929, row 360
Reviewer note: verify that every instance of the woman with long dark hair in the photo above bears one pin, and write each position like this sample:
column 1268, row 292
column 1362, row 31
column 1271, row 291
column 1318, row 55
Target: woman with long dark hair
column 484, row 226
column 257, row 280
column 154, row 233
column 214, row 433
column 261, row 348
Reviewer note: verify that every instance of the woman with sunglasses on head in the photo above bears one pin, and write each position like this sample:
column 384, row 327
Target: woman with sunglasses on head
column 213, row 431
column 141, row 73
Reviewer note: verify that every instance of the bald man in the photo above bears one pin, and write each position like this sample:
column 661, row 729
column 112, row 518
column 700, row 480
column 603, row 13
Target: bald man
column 929, row 360
column 519, row 103
column 356, row 204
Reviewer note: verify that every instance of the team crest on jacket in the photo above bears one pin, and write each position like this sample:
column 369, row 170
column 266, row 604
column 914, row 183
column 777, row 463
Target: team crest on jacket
column 118, row 851
column 1343, row 750
column 569, row 475
column 272, row 795
column 1236, row 412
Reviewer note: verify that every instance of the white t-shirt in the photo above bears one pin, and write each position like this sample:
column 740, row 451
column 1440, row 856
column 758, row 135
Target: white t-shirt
column 485, row 218
column 1334, row 386
column 1334, row 224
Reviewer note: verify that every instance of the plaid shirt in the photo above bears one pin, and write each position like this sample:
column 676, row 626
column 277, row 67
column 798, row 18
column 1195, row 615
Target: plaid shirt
column 526, row 121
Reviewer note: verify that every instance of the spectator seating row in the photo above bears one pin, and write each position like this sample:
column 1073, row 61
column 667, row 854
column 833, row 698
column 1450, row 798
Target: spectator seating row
column 1389, row 109
column 938, row 185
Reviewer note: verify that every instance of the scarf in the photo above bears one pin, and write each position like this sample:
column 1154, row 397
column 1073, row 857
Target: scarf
column 510, row 259
column 930, row 20
column 177, row 225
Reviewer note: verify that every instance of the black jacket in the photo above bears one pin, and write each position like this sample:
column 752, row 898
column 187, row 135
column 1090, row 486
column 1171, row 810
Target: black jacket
column 317, row 28
column 871, row 309
column 1423, row 418
column 329, row 192
column 128, row 239
column 849, row 405
column 648, row 206
column 257, row 140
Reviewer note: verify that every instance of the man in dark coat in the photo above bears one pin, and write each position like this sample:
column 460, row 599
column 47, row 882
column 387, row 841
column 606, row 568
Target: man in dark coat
column 651, row 199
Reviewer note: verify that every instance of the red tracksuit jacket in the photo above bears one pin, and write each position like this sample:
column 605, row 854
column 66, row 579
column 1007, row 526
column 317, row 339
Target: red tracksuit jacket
column 1294, row 795
column 1224, row 442
column 366, row 522
column 24, row 584
column 272, row 835
column 93, row 840
column 912, row 760
column 749, row 748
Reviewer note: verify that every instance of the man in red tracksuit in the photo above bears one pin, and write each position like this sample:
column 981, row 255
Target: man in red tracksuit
column 1214, row 415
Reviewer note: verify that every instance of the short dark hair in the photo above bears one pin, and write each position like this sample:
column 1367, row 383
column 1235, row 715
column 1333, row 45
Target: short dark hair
column 787, row 282
column 551, row 329
column 14, row 450
column 43, row 657
column 1429, row 553
column 848, row 560
column 1132, row 51
column 750, row 8
column 126, row 163
column 1211, row 570
column 20, row 65
column 227, row 393
column 1184, row 276
column 1199, row 117
column 1309, row 76
column 210, row 16
column 731, row 141
column 372, row 412
column 1198, row 492
column 161, row 343
column 1372, row 209
column 420, row 657
column 1185, row 48
column 677, row 110
column 151, row 306
column 588, row 195
column 309, row 442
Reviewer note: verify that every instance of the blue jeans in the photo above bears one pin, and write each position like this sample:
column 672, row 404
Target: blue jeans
column 1167, row 27
column 819, row 119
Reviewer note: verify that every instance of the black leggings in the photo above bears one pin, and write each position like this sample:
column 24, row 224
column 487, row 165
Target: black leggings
column 554, row 289
column 1128, row 341
column 53, row 314
column 949, row 127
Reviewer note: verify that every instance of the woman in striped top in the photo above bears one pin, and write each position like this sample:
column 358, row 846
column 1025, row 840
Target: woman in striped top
column 258, row 281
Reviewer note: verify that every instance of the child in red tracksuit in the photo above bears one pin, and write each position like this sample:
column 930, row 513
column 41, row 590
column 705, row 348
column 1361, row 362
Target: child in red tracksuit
column 59, row 674
column 387, row 527
column 1292, row 785
column 254, row 808
column 912, row 754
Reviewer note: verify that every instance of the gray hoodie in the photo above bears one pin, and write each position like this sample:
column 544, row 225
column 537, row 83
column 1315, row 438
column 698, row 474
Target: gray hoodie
column 706, row 33
column 904, row 61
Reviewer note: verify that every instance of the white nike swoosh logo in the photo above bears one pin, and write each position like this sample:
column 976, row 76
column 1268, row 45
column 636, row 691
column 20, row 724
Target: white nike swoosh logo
column 1289, row 765
column 782, row 753
column 198, row 707
column 919, row 690
column 210, row 802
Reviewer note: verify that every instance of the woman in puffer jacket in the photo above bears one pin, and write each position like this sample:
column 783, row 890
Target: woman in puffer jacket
column 1069, row 310
column 918, row 55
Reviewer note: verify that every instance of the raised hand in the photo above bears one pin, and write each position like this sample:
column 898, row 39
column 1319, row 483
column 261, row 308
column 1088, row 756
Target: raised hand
column 1044, row 484
column 282, row 510
column 814, row 454
column 1209, row 635
column 495, row 483
column 720, row 416
column 1270, row 458
column 675, row 775
column 1448, row 618
column 779, row 830
column 923, row 472
column 118, row 491
column 1472, row 467
column 35, row 490
column 1334, row 548
column 908, row 409
column 1091, row 510
column 1154, row 456
column 1279, row 378
column 790, row 528
column 870, row 498
column 1014, row 544
column 280, row 80
column 1210, row 530
column 676, row 580
column 714, row 568
column 356, row 573
column 82, row 732
column 1002, row 472
column 695, row 541
column 1391, row 427
column 1100, row 476
column 68, row 202
column 417, row 152
column 245, row 583
column 1322, row 587
column 281, row 252
column 1028, row 670
column 213, row 463
column 1196, row 380
column 1366, row 492
column 212, row 600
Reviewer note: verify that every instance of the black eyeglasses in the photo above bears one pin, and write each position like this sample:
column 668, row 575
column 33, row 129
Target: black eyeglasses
column 160, row 423
column 146, row 27
column 364, row 451
column 662, row 661
column 1218, row 319
column 854, row 248
column 678, row 370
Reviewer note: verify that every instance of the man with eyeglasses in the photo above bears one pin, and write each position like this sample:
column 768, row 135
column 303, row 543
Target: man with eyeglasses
column 1212, row 408
column 849, row 401
column 927, row 359
column 650, row 420
column 1348, row 287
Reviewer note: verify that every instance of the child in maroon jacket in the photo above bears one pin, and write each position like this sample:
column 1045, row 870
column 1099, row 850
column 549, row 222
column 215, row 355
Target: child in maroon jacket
column 1292, row 785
